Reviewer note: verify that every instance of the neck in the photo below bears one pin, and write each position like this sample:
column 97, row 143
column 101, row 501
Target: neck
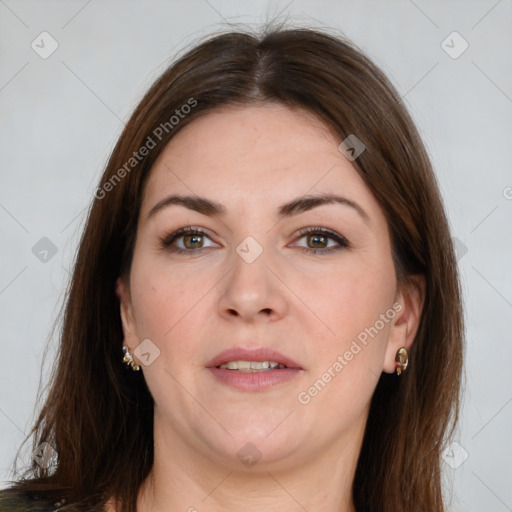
column 184, row 479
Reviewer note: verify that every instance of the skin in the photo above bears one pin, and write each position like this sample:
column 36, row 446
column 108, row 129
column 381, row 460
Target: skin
column 308, row 306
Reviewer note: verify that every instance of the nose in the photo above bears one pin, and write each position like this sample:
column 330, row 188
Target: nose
column 252, row 290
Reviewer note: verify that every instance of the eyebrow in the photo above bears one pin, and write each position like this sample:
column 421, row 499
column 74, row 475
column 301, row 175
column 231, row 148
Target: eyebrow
column 294, row 207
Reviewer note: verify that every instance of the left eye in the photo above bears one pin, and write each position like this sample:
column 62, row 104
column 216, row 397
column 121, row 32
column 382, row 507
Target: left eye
column 319, row 238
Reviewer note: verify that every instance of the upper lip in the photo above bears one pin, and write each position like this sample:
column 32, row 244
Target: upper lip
column 257, row 354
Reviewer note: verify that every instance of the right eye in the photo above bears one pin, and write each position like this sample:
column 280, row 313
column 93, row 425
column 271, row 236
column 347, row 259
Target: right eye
column 191, row 239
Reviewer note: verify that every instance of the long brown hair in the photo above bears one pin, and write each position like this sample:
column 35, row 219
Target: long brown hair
column 98, row 415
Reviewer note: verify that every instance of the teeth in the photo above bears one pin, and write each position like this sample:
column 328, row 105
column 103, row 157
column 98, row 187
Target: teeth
column 251, row 366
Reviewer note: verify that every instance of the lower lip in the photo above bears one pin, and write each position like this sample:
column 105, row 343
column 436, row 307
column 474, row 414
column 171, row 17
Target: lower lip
column 254, row 381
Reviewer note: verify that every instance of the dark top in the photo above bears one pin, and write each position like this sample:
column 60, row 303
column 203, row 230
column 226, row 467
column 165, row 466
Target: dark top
column 15, row 501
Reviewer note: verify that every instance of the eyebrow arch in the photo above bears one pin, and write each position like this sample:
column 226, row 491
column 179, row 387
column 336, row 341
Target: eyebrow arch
column 294, row 207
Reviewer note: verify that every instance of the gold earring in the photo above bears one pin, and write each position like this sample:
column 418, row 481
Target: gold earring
column 402, row 360
column 128, row 359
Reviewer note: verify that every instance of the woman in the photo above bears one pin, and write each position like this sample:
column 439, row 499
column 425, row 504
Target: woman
column 268, row 253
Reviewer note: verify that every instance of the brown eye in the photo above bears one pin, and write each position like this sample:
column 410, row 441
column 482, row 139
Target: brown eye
column 186, row 240
column 193, row 241
column 317, row 241
column 322, row 241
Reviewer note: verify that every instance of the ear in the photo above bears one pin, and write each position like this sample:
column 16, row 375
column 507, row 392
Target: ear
column 127, row 318
column 408, row 304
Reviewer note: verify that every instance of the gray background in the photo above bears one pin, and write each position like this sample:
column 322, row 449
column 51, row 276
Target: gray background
column 60, row 118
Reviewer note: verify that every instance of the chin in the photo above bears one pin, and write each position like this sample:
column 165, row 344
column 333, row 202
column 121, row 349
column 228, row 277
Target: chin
column 257, row 454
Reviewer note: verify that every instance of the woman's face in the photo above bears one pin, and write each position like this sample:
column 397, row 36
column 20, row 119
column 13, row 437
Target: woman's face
column 254, row 279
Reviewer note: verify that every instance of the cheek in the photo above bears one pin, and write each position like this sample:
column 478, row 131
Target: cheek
column 359, row 311
column 348, row 363
column 172, row 306
column 163, row 301
column 351, row 298
column 349, row 355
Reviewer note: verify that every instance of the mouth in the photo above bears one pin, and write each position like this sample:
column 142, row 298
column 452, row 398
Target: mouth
column 253, row 370
column 252, row 366
column 253, row 360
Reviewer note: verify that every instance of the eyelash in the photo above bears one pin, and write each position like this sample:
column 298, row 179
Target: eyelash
column 165, row 242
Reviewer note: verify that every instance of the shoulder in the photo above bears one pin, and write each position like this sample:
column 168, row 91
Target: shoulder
column 12, row 500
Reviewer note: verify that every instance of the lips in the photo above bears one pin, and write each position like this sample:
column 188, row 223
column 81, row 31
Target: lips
column 259, row 354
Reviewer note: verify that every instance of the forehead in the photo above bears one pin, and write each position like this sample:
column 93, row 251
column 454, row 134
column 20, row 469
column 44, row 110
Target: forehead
column 254, row 155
